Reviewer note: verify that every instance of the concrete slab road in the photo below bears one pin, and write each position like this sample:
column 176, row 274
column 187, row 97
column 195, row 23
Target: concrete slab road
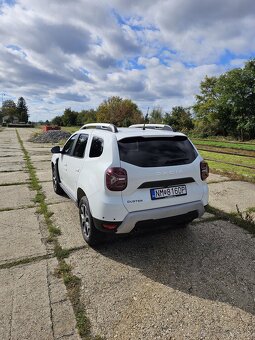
column 193, row 283
column 33, row 301
column 197, row 283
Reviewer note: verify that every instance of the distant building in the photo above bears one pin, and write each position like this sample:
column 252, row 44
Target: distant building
column 10, row 119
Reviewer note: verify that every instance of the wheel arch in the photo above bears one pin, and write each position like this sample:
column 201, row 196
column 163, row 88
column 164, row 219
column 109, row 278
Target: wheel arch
column 56, row 165
column 80, row 194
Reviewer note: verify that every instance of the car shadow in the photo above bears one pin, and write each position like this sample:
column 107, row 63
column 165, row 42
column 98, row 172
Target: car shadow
column 213, row 260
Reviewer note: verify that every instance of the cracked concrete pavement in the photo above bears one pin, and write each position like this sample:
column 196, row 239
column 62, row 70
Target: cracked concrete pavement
column 33, row 301
column 197, row 283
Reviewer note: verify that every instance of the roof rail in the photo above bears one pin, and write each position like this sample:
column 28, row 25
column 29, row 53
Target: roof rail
column 152, row 126
column 102, row 126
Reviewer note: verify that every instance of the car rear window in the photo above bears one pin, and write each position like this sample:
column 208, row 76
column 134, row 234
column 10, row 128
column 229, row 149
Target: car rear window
column 157, row 151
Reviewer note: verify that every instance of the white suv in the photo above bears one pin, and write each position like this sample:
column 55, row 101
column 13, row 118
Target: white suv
column 123, row 177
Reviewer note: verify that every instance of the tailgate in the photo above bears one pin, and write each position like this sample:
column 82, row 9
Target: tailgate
column 150, row 188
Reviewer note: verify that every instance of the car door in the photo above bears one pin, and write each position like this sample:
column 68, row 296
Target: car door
column 64, row 160
column 75, row 163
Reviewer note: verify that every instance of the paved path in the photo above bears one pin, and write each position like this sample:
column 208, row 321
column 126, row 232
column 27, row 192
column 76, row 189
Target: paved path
column 197, row 283
column 33, row 301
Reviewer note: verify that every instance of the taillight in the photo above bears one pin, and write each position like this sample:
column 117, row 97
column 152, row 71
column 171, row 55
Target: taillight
column 204, row 170
column 116, row 179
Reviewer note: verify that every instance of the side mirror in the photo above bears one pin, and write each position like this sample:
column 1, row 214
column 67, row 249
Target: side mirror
column 56, row 149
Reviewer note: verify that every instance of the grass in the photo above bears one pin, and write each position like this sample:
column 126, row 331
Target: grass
column 222, row 144
column 239, row 160
column 60, row 253
column 251, row 210
column 17, row 208
column 234, row 172
column 73, row 285
column 70, row 129
column 14, row 183
column 227, row 151
column 234, row 218
column 24, row 261
column 229, row 140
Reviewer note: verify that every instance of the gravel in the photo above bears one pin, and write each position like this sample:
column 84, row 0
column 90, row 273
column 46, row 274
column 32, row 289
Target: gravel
column 53, row 136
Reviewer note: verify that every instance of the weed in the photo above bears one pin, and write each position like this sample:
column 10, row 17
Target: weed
column 54, row 231
column 59, row 252
column 17, row 208
column 251, row 210
column 62, row 269
column 83, row 324
column 73, row 285
column 245, row 215
column 23, row 261
column 233, row 218
column 14, row 183
column 50, row 239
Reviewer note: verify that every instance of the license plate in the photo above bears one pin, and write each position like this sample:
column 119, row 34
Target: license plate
column 179, row 190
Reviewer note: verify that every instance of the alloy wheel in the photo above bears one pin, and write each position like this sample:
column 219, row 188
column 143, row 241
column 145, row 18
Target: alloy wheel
column 85, row 220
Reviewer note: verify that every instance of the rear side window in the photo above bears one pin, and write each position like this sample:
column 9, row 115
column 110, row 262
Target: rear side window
column 80, row 146
column 157, row 151
column 67, row 149
column 97, row 147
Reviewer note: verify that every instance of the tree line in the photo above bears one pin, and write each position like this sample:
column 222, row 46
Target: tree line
column 225, row 107
column 11, row 111
column 124, row 112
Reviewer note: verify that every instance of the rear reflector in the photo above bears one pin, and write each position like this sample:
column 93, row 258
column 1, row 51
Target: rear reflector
column 204, row 170
column 109, row 226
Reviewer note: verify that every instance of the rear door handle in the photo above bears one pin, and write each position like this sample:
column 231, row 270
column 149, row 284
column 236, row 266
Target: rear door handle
column 77, row 170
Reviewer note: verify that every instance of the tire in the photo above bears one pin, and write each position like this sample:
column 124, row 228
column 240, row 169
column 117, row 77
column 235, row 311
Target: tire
column 55, row 181
column 89, row 232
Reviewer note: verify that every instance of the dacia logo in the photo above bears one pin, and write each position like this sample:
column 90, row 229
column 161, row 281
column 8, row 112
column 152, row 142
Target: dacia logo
column 171, row 172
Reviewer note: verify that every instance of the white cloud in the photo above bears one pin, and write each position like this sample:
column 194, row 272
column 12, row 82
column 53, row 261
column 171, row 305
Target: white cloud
column 58, row 54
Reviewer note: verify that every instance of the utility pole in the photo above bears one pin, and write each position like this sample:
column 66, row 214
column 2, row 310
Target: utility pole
column 1, row 112
column 3, row 94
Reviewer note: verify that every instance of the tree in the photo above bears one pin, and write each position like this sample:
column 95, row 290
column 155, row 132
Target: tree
column 156, row 116
column 206, row 112
column 237, row 99
column 180, row 119
column 86, row 116
column 9, row 109
column 226, row 104
column 69, row 117
column 118, row 111
column 57, row 120
column 22, row 110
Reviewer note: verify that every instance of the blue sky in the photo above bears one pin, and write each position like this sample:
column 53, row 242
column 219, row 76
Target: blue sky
column 59, row 54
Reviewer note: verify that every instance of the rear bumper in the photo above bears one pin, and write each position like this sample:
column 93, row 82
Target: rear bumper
column 159, row 213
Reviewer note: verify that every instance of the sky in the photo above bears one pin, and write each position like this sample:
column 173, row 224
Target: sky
column 59, row 54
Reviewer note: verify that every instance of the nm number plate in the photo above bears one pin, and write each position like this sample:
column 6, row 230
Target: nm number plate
column 179, row 190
